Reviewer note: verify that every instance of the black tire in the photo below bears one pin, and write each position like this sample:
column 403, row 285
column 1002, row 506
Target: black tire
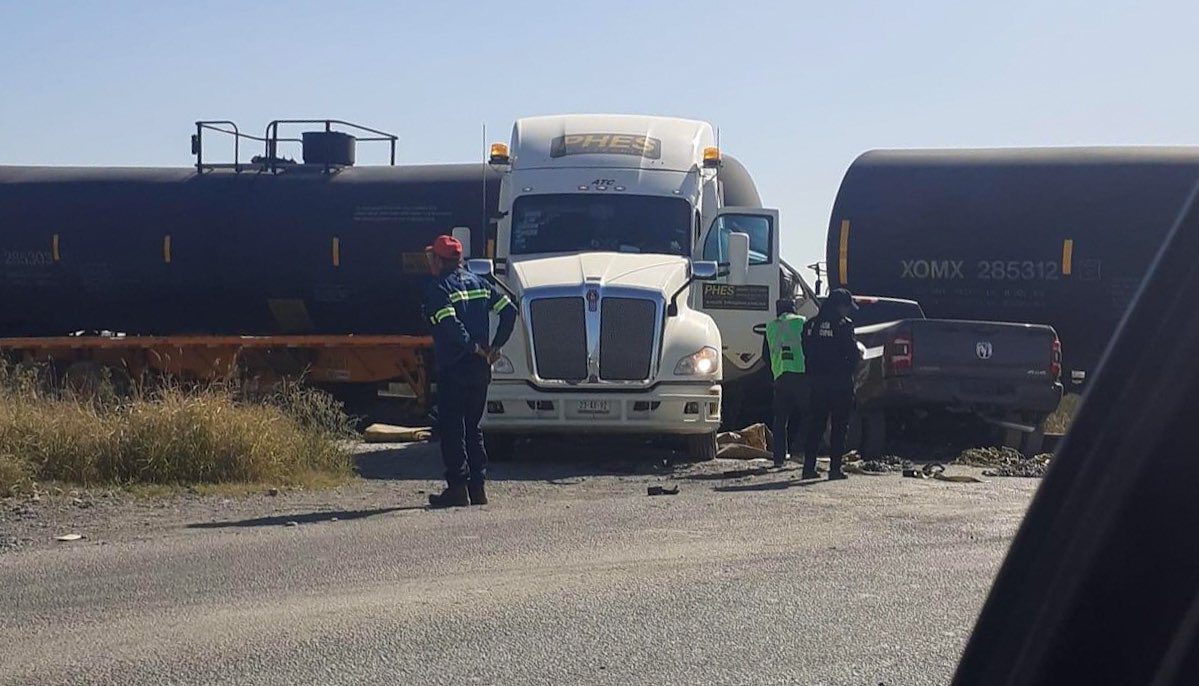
column 730, row 409
column 1012, row 438
column 1033, row 443
column 853, row 437
column 701, row 447
column 1028, row 443
column 867, row 433
column 874, row 434
column 500, row 447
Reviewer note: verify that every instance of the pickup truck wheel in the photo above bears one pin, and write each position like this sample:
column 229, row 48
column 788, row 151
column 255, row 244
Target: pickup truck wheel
column 500, row 447
column 874, row 433
column 1033, row 443
column 1028, row 444
column 867, row 433
column 1011, row 438
column 701, row 447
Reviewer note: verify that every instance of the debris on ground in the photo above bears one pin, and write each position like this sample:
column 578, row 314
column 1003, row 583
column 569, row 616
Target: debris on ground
column 959, row 478
column 884, row 464
column 67, row 538
column 388, row 433
column 1005, row 462
column 662, row 490
column 936, row 470
column 928, row 471
column 750, row 443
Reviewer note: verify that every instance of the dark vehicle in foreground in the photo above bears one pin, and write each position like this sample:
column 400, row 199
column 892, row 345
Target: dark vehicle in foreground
column 1006, row 373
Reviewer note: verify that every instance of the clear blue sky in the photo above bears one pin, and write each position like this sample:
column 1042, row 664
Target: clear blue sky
column 797, row 89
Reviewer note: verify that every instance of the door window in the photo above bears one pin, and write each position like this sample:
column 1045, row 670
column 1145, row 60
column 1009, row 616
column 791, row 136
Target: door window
column 757, row 227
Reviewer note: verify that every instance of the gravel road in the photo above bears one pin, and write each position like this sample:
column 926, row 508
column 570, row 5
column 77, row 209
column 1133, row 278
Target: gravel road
column 572, row 575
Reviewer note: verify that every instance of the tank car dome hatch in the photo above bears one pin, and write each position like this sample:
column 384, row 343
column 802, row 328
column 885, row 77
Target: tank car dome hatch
column 330, row 148
column 327, row 149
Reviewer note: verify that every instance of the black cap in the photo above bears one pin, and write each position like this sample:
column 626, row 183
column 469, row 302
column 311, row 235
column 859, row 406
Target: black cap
column 841, row 296
column 783, row 305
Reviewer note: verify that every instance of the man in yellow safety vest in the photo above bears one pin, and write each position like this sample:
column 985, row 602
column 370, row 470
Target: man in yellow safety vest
column 784, row 342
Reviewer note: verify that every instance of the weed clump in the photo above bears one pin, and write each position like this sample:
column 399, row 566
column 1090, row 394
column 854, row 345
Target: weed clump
column 171, row 434
column 1061, row 418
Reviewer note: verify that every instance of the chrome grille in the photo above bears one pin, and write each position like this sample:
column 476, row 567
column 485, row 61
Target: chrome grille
column 627, row 338
column 559, row 338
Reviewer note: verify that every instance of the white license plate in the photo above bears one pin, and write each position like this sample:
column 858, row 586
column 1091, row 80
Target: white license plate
column 595, row 407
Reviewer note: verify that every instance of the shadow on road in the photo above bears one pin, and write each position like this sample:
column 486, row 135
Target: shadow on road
column 557, row 462
column 307, row 518
column 766, row 486
column 737, row 473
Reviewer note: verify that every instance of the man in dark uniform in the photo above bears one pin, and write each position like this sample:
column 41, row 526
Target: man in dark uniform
column 783, row 346
column 831, row 356
column 458, row 305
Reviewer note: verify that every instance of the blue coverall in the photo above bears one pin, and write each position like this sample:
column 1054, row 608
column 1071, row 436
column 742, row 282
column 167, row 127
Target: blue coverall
column 459, row 305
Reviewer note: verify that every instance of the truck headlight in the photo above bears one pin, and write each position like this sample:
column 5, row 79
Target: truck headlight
column 704, row 362
column 502, row 366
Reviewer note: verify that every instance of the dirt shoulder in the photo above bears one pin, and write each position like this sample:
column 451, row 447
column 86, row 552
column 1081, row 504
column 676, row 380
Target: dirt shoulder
column 390, row 478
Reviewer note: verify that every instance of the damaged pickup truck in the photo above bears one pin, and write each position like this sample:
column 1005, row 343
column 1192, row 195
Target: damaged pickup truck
column 1006, row 373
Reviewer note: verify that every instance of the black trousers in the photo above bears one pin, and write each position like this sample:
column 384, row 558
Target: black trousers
column 831, row 401
column 461, row 400
column 791, row 397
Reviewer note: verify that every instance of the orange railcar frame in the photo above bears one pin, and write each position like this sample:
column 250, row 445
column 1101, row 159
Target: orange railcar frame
column 322, row 359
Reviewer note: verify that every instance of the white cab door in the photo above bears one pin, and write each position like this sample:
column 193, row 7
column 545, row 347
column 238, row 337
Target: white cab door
column 739, row 307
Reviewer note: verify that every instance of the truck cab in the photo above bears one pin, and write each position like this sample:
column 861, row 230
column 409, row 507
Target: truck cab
column 638, row 289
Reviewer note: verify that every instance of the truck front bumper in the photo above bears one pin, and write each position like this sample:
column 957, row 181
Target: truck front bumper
column 684, row 408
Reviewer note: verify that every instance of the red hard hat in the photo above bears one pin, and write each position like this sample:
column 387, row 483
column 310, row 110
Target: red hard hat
column 446, row 247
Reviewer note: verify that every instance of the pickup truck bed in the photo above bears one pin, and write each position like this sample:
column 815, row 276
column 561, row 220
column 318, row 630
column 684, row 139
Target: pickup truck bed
column 988, row 367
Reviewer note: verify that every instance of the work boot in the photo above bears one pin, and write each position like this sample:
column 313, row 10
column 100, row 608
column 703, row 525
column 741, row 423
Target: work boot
column 810, row 475
column 452, row 496
column 478, row 494
column 837, row 475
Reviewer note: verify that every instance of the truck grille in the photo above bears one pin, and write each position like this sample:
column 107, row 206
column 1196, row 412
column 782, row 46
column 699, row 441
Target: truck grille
column 559, row 338
column 627, row 338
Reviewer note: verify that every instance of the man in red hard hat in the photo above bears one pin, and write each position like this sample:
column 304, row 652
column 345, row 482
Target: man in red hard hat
column 459, row 306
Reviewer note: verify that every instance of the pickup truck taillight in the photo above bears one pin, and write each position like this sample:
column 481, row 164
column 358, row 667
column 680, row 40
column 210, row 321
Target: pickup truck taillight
column 898, row 352
column 1055, row 361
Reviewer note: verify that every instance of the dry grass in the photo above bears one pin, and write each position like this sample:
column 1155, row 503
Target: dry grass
column 1061, row 418
column 172, row 435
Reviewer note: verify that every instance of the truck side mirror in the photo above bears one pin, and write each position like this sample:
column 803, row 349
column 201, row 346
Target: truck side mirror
column 462, row 233
column 705, row 270
column 701, row 270
column 738, row 259
column 482, row 267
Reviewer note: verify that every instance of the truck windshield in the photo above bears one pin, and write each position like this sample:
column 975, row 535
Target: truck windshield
column 615, row 223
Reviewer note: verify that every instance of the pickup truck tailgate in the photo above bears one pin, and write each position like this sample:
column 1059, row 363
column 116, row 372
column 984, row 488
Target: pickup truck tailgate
column 982, row 349
column 993, row 368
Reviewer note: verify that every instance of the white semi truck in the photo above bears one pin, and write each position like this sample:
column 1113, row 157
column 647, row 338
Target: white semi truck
column 639, row 285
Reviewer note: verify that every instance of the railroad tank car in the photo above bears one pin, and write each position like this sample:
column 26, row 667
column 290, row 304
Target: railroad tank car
column 1059, row 236
column 261, row 248
column 300, row 249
